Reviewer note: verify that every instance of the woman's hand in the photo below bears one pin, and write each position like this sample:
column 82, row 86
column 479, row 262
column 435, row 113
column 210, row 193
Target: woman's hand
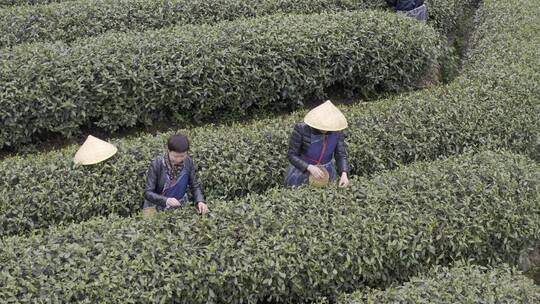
column 344, row 180
column 173, row 202
column 202, row 208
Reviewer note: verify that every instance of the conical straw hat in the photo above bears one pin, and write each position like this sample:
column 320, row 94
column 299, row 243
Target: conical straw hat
column 93, row 151
column 326, row 117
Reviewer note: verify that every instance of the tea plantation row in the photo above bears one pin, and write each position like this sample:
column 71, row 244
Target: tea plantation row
column 73, row 20
column 492, row 105
column 289, row 245
column 205, row 72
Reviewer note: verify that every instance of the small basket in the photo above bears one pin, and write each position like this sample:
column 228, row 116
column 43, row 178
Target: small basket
column 149, row 212
column 320, row 183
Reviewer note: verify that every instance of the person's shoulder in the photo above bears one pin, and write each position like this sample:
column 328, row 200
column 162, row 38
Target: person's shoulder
column 301, row 127
column 156, row 161
column 340, row 134
column 188, row 160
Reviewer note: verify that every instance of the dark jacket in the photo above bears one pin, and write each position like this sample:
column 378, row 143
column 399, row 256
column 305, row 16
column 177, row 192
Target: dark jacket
column 404, row 5
column 299, row 143
column 157, row 177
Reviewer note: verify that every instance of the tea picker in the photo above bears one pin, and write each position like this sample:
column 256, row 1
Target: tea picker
column 317, row 152
column 170, row 176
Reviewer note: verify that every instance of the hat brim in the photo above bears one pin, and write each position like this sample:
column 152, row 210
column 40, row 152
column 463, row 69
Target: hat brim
column 321, row 127
column 99, row 159
column 326, row 117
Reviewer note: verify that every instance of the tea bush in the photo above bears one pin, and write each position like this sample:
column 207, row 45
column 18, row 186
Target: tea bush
column 204, row 72
column 288, row 245
column 10, row 3
column 459, row 284
column 72, row 20
column 489, row 110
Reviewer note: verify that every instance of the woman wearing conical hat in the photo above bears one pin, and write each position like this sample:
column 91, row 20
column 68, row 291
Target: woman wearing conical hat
column 314, row 144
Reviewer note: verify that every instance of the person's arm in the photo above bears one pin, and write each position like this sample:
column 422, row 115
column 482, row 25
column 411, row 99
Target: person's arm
column 196, row 190
column 151, row 185
column 340, row 154
column 295, row 146
column 194, row 184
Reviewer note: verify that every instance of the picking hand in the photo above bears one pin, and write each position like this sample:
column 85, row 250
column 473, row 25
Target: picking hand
column 344, row 180
column 202, row 208
column 173, row 202
column 315, row 171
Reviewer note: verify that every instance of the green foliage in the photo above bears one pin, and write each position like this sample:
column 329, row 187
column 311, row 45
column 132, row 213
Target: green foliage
column 288, row 245
column 69, row 21
column 9, row 3
column 203, row 72
column 446, row 15
column 478, row 110
column 458, row 43
column 459, row 284
column 239, row 159
column 72, row 20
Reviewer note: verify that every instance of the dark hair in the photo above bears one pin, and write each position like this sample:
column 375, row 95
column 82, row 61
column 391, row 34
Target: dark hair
column 178, row 143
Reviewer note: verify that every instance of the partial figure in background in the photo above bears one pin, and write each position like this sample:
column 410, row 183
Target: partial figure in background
column 411, row 8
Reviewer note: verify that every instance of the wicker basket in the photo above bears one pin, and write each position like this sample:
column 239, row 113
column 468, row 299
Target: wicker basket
column 149, row 212
column 320, row 183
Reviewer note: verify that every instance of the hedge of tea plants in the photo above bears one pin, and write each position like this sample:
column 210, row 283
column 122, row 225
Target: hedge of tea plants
column 445, row 15
column 458, row 284
column 69, row 21
column 288, row 245
column 204, row 72
column 235, row 160
column 494, row 109
column 10, row 3
column 72, row 20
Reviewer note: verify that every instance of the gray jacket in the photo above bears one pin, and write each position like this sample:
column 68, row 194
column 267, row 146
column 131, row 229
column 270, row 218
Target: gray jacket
column 299, row 142
column 157, row 177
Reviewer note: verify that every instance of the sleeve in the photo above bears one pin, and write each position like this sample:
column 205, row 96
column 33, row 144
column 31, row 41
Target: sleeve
column 194, row 184
column 295, row 147
column 341, row 154
column 150, row 189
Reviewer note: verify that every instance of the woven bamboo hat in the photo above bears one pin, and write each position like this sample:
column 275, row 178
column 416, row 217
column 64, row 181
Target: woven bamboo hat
column 326, row 117
column 93, row 151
